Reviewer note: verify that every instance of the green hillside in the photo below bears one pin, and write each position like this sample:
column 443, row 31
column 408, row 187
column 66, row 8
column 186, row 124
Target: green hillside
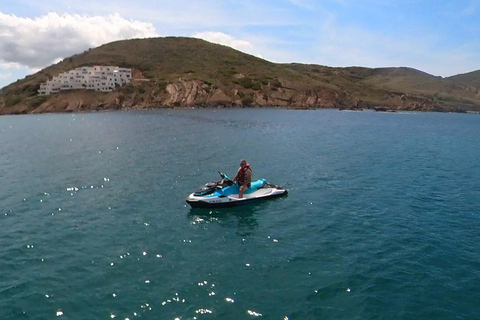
column 469, row 79
column 175, row 71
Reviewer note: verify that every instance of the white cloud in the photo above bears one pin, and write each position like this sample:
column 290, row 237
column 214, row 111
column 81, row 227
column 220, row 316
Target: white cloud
column 225, row 39
column 10, row 65
column 186, row 16
column 4, row 76
column 228, row 40
column 37, row 42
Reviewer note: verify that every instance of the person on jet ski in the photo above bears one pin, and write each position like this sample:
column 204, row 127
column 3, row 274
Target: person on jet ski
column 243, row 177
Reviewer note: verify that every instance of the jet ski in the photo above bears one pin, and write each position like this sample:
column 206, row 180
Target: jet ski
column 224, row 193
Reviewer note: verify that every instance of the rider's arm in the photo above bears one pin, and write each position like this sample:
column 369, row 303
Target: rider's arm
column 236, row 176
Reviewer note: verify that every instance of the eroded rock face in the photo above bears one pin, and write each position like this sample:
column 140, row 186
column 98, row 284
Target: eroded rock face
column 195, row 93
column 183, row 93
column 218, row 97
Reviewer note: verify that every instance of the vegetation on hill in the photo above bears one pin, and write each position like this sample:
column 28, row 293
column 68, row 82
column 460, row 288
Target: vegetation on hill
column 192, row 72
column 468, row 79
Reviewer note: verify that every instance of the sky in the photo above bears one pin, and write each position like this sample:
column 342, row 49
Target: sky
column 440, row 37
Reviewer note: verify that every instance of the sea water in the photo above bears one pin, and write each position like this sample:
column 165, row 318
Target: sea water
column 381, row 221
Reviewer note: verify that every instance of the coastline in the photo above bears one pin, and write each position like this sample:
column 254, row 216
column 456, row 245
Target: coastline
column 133, row 109
column 221, row 77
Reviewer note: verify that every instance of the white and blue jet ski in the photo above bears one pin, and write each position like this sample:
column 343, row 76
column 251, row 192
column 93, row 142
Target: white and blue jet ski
column 224, row 193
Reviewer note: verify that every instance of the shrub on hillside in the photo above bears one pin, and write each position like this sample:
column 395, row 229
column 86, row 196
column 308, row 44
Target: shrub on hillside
column 264, row 81
column 247, row 100
column 128, row 89
column 38, row 100
column 31, row 90
column 245, row 82
column 150, row 74
column 257, row 86
column 228, row 72
column 276, row 83
column 162, row 85
column 11, row 101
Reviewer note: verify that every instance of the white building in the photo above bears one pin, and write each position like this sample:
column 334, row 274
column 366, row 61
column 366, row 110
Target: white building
column 99, row 78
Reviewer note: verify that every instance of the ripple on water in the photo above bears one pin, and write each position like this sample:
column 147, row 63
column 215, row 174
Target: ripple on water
column 254, row 313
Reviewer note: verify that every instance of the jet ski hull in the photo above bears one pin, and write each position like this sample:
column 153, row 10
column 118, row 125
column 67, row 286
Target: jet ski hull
column 225, row 197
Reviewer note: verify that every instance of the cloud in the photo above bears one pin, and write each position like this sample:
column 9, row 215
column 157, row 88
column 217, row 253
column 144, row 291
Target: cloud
column 225, row 39
column 4, row 76
column 188, row 16
column 40, row 41
column 230, row 41
column 10, row 65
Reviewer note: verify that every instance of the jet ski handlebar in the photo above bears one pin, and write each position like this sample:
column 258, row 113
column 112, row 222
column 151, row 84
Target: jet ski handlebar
column 224, row 176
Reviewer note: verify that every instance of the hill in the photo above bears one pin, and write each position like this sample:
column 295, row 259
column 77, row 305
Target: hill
column 469, row 79
column 183, row 72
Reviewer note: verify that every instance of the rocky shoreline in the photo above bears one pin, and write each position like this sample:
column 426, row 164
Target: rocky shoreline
column 144, row 94
column 137, row 108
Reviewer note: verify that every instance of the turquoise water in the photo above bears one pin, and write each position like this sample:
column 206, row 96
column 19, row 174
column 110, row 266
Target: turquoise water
column 382, row 218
